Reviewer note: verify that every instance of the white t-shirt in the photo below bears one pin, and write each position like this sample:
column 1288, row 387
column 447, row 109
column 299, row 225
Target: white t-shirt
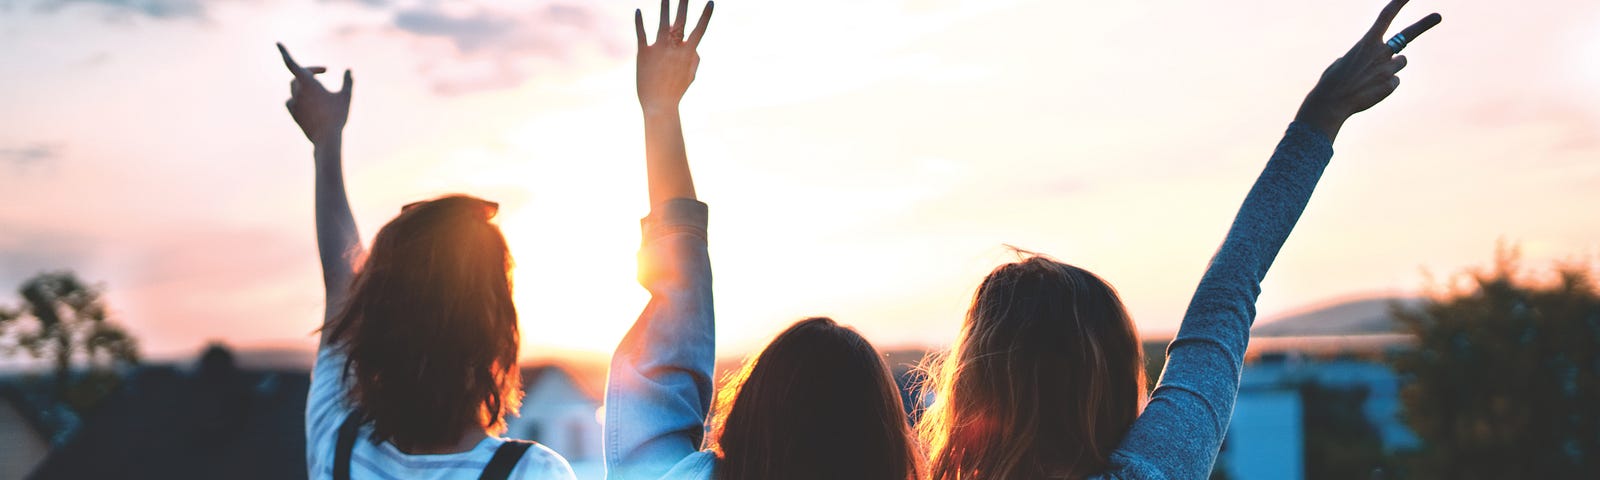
column 326, row 410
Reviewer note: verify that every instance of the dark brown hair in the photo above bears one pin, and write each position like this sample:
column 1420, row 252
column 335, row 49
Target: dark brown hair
column 429, row 329
column 1044, row 380
column 818, row 402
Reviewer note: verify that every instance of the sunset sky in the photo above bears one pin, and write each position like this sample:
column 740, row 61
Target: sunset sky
column 863, row 159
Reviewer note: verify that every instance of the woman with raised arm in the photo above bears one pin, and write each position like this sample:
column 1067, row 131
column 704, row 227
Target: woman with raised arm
column 817, row 403
column 417, row 364
column 1045, row 379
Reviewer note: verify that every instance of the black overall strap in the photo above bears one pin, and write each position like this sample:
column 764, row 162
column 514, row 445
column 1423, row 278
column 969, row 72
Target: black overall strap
column 347, row 444
column 505, row 460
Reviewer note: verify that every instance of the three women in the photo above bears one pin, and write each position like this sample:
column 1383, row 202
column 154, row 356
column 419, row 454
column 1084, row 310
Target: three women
column 417, row 367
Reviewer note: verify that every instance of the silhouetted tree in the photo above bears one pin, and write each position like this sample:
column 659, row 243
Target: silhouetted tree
column 62, row 319
column 1505, row 379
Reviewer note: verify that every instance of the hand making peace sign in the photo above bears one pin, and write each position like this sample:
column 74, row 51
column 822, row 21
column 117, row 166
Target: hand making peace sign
column 1364, row 76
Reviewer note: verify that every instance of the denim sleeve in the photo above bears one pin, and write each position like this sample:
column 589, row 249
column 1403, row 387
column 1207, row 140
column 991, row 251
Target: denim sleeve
column 1181, row 430
column 659, row 388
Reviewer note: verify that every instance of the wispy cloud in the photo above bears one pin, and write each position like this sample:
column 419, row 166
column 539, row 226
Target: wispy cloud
column 500, row 46
column 161, row 9
column 30, row 155
column 482, row 45
column 26, row 251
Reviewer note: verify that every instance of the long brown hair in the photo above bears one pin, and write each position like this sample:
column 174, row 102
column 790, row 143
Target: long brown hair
column 818, row 402
column 429, row 329
column 1044, row 380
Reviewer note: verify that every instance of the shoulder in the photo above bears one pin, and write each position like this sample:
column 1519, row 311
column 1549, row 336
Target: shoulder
column 542, row 463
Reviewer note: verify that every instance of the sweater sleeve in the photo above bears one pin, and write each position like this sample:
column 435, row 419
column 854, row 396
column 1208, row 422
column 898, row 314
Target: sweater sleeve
column 1180, row 432
column 659, row 388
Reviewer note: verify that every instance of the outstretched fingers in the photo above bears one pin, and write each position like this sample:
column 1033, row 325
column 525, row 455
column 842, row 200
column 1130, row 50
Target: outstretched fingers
column 700, row 27
column 671, row 26
column 1385, row 19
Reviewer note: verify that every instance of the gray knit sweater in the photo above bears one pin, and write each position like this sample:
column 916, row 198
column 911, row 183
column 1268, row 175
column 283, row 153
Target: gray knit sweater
column 1180, row 432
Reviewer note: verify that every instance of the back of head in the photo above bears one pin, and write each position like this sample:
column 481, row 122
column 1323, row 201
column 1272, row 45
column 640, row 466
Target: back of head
column 819, row 402
column 1043, row 382
column 429, row 328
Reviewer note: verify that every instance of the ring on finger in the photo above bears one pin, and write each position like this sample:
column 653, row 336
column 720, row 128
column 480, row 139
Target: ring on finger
column 1397, row 43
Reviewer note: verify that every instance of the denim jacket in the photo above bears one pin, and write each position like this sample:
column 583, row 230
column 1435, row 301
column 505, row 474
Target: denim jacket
column 659, row 390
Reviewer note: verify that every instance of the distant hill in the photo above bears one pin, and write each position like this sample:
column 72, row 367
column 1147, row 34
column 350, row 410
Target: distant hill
column 1360, row 316
column 272, row 358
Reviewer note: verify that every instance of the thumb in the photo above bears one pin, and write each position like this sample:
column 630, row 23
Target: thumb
column 348, row 84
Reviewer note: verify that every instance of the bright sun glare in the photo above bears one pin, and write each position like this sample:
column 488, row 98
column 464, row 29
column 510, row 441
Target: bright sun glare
column 574, row 285
column 574, row 233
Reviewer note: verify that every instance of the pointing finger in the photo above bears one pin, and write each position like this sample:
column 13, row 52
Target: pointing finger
column 288, row 61
column 700, row 27
column 348, row 84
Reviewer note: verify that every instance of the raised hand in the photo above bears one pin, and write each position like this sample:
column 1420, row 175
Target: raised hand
column 667, row 67
column 1361, row 78
column 320, row 113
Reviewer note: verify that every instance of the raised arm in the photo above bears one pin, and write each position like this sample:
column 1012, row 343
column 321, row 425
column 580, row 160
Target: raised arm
column 321, row 115
column 665, row 71
column 1181, row 430
column 660, row 385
